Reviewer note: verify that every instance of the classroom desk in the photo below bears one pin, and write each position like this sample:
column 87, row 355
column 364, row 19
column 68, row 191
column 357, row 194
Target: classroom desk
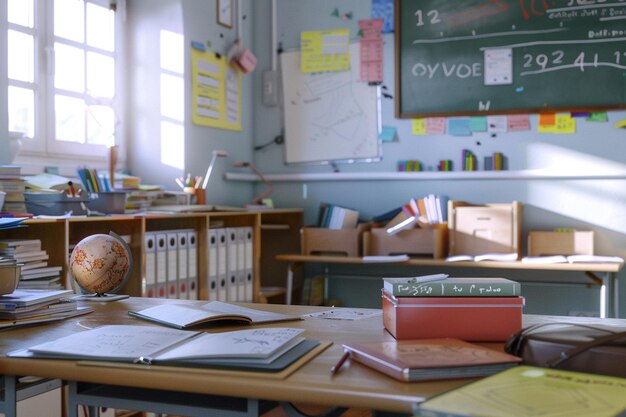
column 609, row 294
column 354, row 386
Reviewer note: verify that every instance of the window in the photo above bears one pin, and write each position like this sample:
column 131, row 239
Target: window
column 63, row 76
column 172, row 99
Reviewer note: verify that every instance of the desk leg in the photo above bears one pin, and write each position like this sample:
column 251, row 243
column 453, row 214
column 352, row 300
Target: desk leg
column 8, row 406
column 291, row 270
column 609, row 296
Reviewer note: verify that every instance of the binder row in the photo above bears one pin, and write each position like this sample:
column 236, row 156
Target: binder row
column 230, row 260
column 171, row 264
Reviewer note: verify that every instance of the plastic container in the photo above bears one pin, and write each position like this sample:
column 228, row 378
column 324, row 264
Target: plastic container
column 112, row 202
column 55, row 204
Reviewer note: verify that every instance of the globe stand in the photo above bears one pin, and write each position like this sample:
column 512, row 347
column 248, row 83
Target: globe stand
column 100, row 298
column 101, row 256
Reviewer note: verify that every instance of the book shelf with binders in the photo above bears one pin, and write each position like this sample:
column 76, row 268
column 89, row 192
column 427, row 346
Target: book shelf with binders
column 276, row 228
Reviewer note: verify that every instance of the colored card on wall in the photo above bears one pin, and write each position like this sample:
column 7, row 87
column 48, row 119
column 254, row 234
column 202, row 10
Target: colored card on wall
column 325, row 50
column 435, row 125
column 517, row 122
column 459, row 126
column 418, row 126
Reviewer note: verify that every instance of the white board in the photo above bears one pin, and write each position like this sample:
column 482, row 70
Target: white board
column 329, row 116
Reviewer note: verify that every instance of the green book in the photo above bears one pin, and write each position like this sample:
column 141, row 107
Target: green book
column 452, row 287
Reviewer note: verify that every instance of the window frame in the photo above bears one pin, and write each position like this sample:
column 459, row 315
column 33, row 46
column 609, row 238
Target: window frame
column 44, row 150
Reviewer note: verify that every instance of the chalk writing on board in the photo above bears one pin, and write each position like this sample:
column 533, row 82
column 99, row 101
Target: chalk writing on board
column 507, row 56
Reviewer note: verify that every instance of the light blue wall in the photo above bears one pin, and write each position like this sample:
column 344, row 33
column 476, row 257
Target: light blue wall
column 196, row 20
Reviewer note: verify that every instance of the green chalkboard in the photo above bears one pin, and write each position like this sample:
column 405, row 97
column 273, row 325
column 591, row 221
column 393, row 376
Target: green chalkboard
column 457, row 57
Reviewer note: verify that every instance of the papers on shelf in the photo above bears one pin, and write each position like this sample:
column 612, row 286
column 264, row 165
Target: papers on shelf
column 498, row 257
column 555, row 259
column 383, row 259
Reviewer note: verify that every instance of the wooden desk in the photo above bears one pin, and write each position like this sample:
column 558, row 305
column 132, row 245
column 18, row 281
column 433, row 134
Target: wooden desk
column 609, row 300
column 354, row 386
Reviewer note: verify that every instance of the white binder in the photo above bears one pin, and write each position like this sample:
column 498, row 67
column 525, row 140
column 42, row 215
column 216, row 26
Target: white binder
column 192, row 264
column 222, row 294
column 249, row 263
column 149, row 244
column 161, row 265
column 241, row 264
column 212, row 276
column 183, row 259
column 231, row 268
column 172, row 264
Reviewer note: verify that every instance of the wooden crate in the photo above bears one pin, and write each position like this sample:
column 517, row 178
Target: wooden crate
column 545, row 243
column 341, row 242
column 476, row 229
column 428, row 241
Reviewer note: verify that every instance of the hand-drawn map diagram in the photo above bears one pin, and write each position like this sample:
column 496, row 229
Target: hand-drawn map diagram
column 329, row 116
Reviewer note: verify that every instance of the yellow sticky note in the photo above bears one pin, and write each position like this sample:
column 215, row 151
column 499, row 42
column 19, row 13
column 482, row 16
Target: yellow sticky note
column 418, row 126
column 563, row 123
column 325, row 50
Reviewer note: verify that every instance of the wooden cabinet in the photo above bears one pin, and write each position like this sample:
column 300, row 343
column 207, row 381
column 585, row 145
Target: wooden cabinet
column 273, row 231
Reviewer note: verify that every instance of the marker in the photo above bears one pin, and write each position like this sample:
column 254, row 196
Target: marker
column 339, row 364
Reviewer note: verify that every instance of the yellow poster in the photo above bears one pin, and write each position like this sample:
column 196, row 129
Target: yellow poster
column 325, row 50
column 215, row 91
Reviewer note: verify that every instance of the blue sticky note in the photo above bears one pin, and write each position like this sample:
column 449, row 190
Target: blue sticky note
column 387, row 134
column 478, row 124
column 459, row 126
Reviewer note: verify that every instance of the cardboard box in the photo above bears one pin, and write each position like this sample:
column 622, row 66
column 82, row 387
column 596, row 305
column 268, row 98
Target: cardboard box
column 486, row 228
column 479, row 319
column 431, row 242
column 341, row 242
column 546, row 243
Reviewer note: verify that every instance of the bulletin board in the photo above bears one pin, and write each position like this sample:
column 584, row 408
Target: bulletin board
column 508, row 56
column 329, row 116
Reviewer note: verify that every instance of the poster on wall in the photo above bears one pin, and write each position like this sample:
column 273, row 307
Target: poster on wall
column 215, row 91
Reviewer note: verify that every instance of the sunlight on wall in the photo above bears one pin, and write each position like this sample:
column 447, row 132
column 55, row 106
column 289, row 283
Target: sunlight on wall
column 599, row 202
column 172, row 96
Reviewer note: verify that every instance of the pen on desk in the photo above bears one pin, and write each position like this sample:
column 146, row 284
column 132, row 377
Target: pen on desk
column 340, row 362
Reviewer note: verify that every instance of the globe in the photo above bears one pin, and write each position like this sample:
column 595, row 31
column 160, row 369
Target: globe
column 101, row 263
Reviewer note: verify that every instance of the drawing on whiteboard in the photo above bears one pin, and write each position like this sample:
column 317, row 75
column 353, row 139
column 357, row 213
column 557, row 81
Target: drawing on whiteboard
column 329, row 116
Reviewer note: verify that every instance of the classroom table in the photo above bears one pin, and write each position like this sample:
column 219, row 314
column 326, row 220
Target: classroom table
column 607, row 280
column 197, row 391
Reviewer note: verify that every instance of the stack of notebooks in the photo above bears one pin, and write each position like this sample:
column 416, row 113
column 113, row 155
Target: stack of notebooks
column 433, row 306
column 36, row 273
column 14, row 186
column 28, row 307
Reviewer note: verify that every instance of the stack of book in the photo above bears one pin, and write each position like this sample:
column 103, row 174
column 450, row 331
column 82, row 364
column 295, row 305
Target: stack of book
column 27, row 307
column 36, row 273
column 332, row 216
column 14, row 186
column 435, row 306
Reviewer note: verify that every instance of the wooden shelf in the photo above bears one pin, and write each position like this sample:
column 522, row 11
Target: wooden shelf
column 530, row 174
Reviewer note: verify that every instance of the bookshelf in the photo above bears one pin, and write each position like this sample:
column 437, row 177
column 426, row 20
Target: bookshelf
column 274, row 231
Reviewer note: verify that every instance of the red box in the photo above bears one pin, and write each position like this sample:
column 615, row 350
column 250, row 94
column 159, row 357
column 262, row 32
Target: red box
column 478, row 319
